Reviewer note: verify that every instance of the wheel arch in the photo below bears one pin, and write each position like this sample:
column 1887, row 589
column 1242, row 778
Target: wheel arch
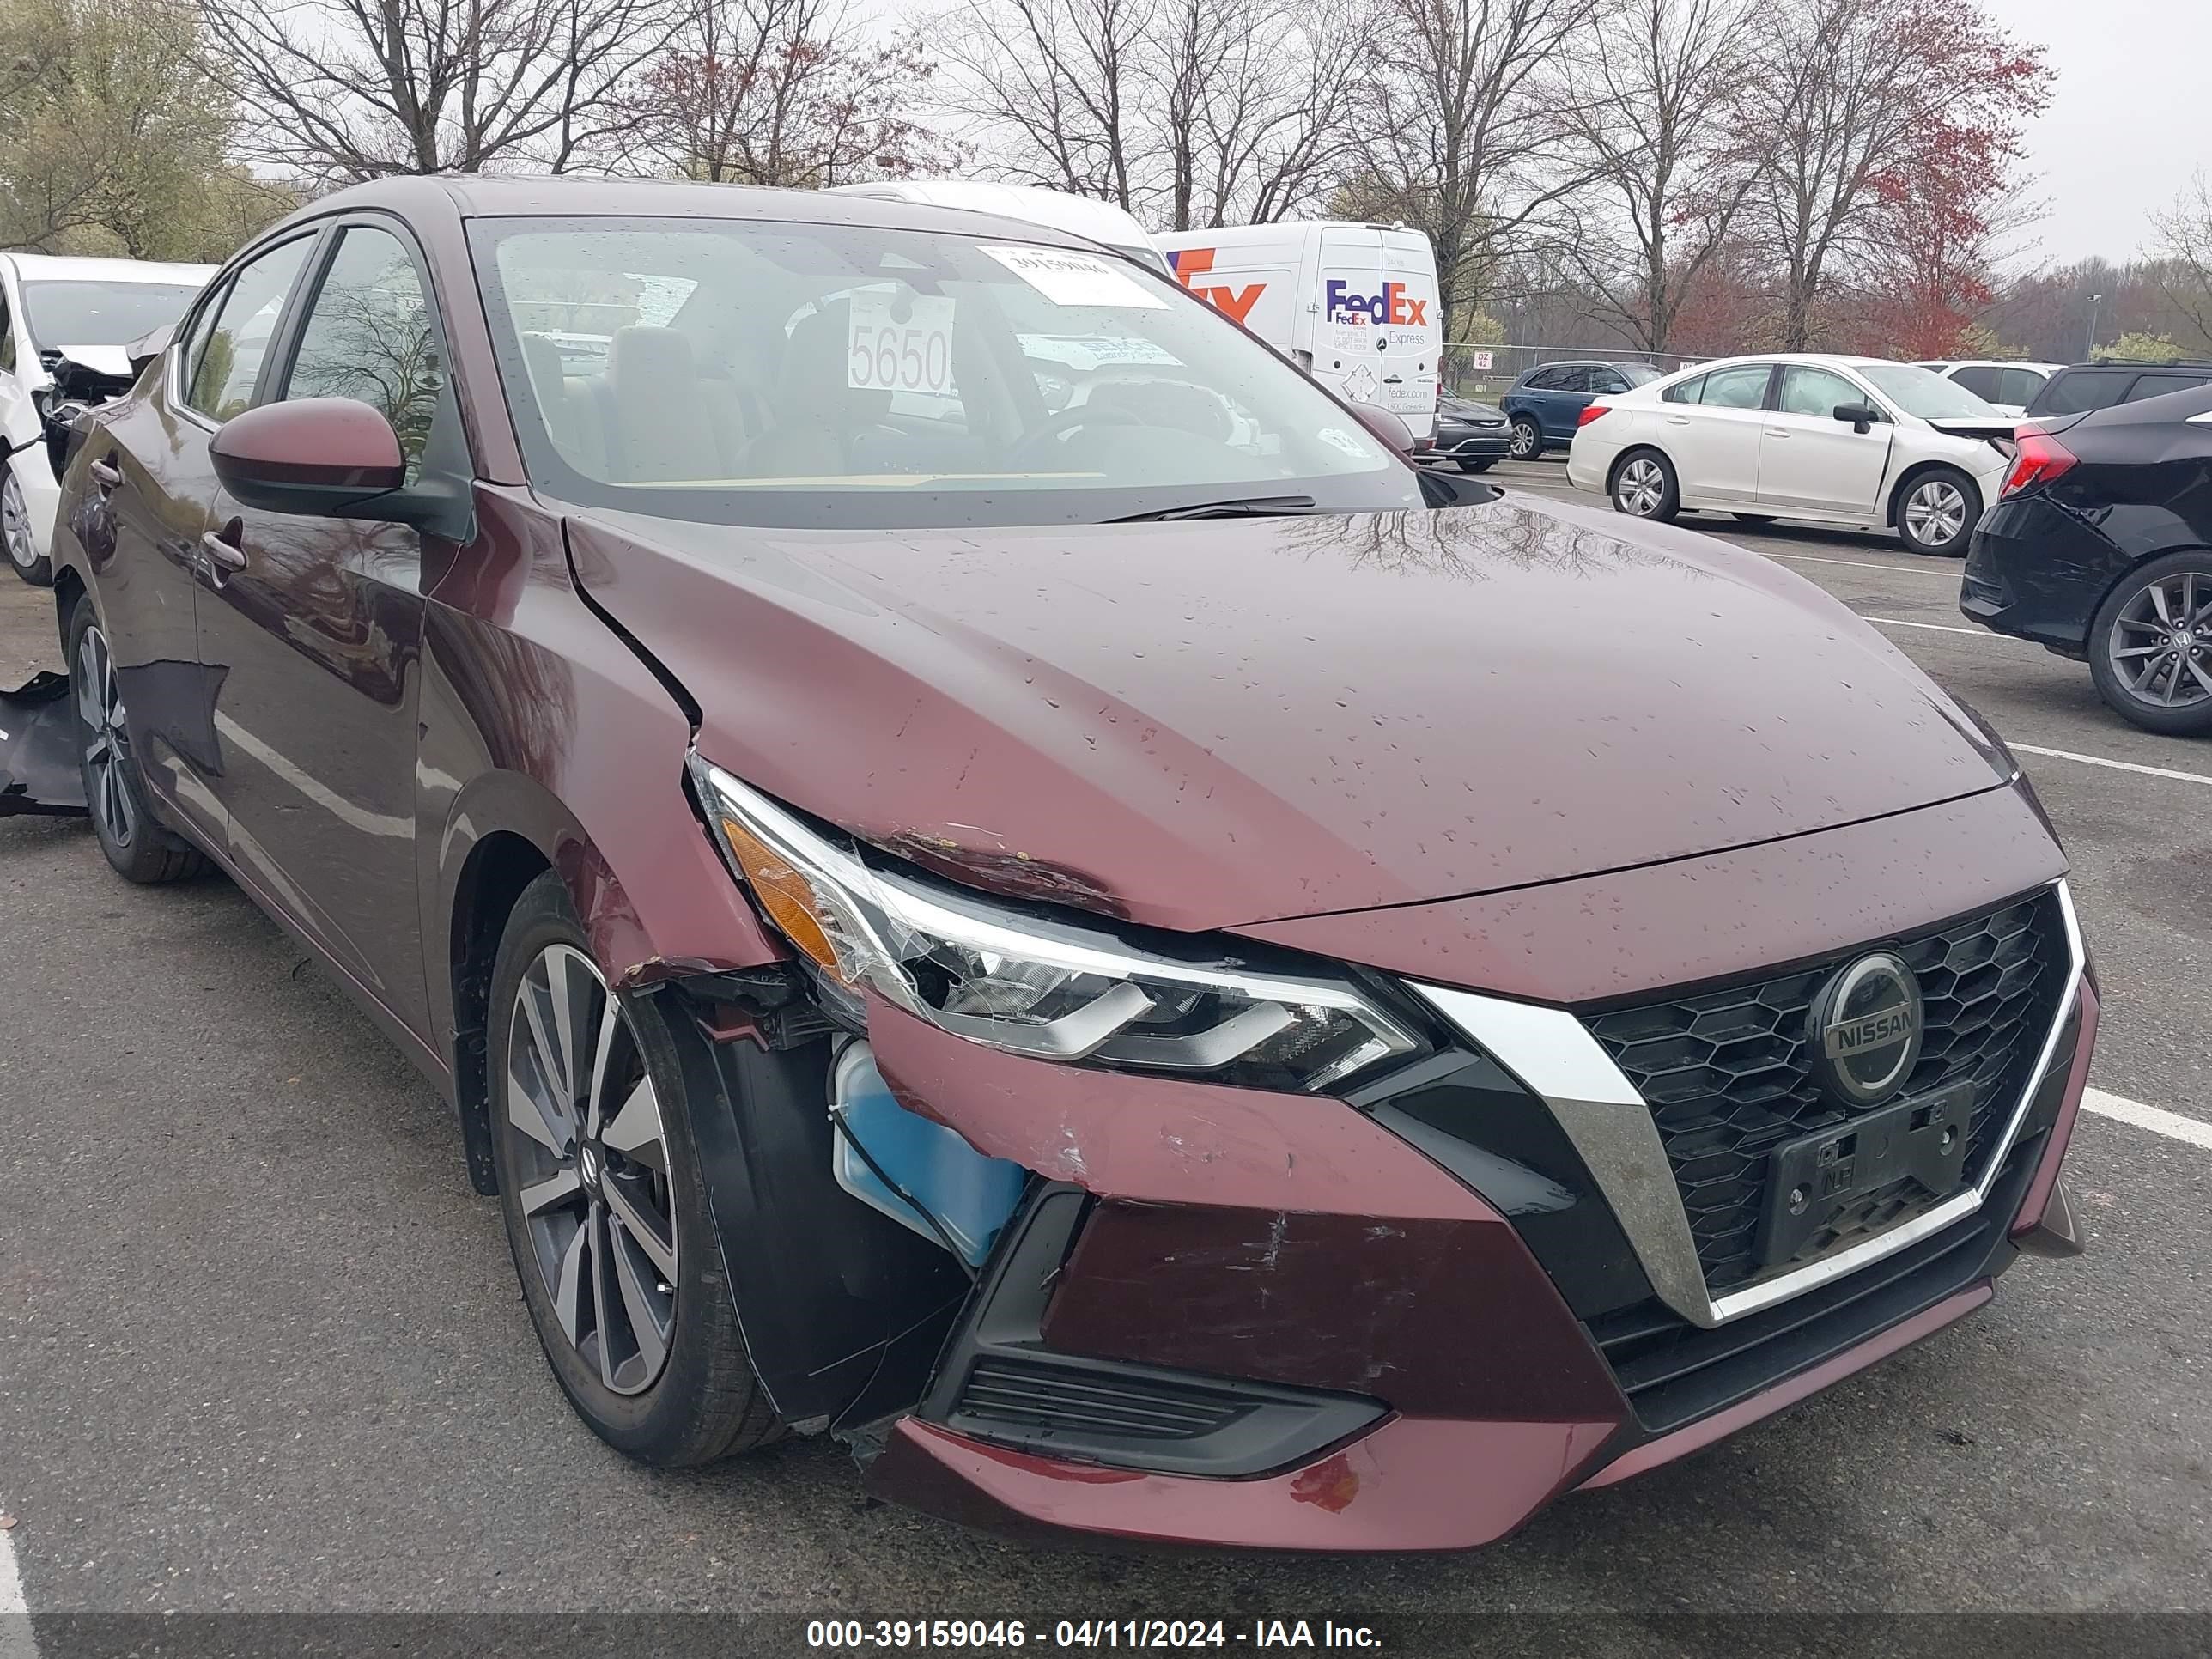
column 1920, row 470
column 69, row 587
column 491, row 879
column 1629, row 452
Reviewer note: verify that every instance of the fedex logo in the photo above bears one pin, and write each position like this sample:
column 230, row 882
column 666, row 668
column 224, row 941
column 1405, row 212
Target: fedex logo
column 1191, row 263
column 1393, row 305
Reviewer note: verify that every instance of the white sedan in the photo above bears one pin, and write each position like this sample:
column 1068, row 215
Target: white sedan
column 1846, row 441
column 63, row 326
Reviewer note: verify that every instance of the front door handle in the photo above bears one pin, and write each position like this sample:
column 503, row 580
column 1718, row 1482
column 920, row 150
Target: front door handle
column 1778, row 432
column 1678, row 420
column 226, row 554
column 105, row 475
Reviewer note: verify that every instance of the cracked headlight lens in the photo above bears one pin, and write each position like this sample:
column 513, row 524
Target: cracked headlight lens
column 1031, row 984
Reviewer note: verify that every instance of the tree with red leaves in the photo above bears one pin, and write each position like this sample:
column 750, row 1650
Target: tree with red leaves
column 779, row 92
column 1891, row 123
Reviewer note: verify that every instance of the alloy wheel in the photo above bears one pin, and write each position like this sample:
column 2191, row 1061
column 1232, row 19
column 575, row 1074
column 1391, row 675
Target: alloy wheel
column 106, row 738
column 590, row 1153
column 1640, row 488
column 2160, row 644
column 1935, row 513
column 16, row 523
column 1524, row 440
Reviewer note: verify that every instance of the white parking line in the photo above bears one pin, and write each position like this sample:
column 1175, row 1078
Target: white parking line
column 2173, row 1125
column 1940, row 627
column 17, row 1641
column 1863, row 564
column 2117, row 765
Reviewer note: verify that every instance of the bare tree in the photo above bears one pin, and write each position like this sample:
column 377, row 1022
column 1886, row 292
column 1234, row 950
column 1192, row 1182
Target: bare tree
column 2184, row 247
column 1192, row 113
column 1857, row 96
column 1659, row 117
column 1470, row 144
column 341, row 90
column 1255, row 97
column 1055, row 87
column 782, row 92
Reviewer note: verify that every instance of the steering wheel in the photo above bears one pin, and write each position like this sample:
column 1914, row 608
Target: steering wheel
column 1057, row 426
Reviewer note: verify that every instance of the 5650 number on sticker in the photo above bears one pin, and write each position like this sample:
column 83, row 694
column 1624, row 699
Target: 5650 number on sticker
column 900, row 343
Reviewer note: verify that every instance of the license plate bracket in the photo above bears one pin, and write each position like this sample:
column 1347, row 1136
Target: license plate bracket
column 1814, row 1180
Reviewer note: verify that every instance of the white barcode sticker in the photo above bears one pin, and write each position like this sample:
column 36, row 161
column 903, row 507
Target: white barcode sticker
column 1068, row 278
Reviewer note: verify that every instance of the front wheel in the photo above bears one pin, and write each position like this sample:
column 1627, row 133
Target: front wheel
column 606, row 1205
column 23, row 554
column 1477, row 466
column 1644, row 487
column 1527, row 441
column 2150, row 646
column 1937, row 512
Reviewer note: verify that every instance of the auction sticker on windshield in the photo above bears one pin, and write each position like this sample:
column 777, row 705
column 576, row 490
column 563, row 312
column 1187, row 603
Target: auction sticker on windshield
column 900, row 343
column 1068, row 278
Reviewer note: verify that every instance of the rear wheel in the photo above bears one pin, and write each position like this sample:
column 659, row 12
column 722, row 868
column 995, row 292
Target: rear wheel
column 1644, row 486
column 606, row 1207
column 1477, row 466
column 1527, row 442
column 2150, row 646
column 1936, row 514
column 23, row 554
column 114, row 790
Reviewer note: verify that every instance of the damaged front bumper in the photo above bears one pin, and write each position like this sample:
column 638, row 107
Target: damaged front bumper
column 38, row 771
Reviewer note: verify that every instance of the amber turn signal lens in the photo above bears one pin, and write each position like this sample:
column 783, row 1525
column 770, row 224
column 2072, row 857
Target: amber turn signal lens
column 786, row 894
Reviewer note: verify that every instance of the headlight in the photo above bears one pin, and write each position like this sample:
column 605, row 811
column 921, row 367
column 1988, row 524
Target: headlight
column 1030, row 984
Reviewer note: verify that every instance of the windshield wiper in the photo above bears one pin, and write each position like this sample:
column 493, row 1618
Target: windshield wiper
column 1247, row 507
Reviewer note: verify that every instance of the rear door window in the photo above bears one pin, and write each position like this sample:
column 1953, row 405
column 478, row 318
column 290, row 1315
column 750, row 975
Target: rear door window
column 1981, row 380
column 2083, row 390
column 1737, row 388
column 2157, row 385
column 226, row 362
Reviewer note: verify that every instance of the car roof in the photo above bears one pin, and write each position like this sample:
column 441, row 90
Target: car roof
column 1062, row 209
column 1987, row 362
column 63, row 268
column 477, row 196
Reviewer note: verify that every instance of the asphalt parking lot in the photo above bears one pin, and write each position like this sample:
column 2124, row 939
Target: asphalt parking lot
column 261, row 1350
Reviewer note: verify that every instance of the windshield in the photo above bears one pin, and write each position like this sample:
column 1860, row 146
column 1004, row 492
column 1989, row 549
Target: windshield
column 1919, row 391
column 750, row 372
column 101, row 313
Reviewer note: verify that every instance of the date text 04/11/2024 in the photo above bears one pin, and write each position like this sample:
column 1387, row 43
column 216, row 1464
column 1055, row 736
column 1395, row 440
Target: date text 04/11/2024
column 986, row 1635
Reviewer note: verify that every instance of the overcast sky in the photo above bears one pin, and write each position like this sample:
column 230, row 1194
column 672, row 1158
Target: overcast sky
column 2128, row 122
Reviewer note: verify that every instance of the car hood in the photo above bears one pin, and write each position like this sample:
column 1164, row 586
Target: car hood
column 1201, row 724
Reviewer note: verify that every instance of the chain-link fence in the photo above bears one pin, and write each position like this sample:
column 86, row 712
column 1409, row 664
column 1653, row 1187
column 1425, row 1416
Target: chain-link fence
column 1484, row 372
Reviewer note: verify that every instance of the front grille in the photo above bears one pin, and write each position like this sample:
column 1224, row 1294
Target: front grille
column 1726, row 1072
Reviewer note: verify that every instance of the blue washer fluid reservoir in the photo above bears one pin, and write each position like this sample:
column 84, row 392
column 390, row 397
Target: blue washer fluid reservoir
column 971, row 1196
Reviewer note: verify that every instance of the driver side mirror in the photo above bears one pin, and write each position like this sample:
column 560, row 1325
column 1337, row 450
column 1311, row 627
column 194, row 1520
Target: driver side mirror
column 1861, row 415
column 1383, row 424
column 329, row 458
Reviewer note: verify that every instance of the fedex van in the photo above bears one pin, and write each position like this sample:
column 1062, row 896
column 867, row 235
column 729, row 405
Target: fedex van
column 1355, row 305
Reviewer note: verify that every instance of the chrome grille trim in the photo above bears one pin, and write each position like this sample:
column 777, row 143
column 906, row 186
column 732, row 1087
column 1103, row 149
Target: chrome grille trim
column 1555, row 1055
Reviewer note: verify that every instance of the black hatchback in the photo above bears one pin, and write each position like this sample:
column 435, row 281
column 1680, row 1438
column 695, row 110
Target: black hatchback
column 2100, row 548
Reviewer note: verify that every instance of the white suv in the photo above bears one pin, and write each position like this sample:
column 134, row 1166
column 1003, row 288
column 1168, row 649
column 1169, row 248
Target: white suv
column 82, row 314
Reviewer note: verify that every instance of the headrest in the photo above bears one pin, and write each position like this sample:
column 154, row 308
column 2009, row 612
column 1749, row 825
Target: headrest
column 643, row 359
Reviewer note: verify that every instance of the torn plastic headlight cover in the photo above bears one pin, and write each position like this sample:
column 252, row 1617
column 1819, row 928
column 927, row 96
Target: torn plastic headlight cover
column 1029, row 983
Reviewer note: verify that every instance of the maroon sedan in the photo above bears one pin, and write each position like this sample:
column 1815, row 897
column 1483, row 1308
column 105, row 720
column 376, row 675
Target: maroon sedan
column 984, row 878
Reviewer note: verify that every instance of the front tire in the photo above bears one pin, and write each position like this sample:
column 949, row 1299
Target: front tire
column 15, row 533
column 605, row 1206
column 1528, row 440
column 1477, row 466
column 2150, row 646
column 1644, row 487
column 1936, row 512
column 116, row 799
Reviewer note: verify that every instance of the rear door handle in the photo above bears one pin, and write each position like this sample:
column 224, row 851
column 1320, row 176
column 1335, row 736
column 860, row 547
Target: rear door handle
column 1778, row 432
column 104, row 474
column 226, row 554
column 1678, row 420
